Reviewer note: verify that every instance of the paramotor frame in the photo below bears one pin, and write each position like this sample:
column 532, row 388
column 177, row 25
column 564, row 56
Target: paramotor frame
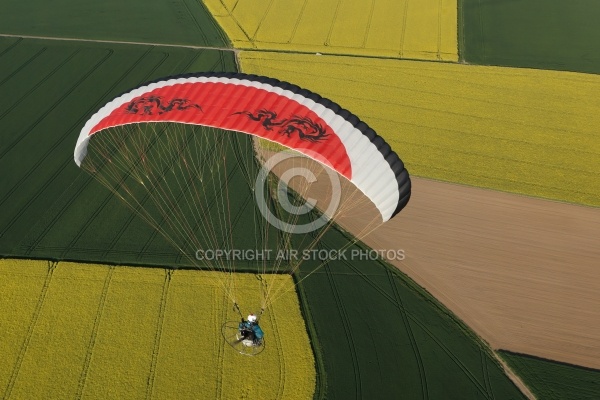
column 240, row 342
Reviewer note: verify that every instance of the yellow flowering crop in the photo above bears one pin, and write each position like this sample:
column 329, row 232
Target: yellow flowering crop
column 22, row 282
column 423, row 29
column 93, row 331
column 526, row 131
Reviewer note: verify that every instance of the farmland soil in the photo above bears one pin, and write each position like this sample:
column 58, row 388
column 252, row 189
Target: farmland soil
column 520, row 271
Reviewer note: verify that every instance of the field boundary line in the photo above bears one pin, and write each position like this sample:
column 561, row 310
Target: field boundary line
column 403, row 32
column 26, row 63
column 109, row 195
column 460, row 32
column 320, row 378
column 66, row 39
column 297, row 23
column 422, row 325
column 35, row 87
column 281, row 356
column 213, row 21
column 57, row 103
column 411, row 336
column 191, row 14
column 368, row 28
column 332, row 26
column 217, row 348
column 49, row 152
column 440, row 30
column 12, row 46
column 481, row 32
column 221, row 347
column 35, row 242
column 236, row 51
column 262, row 20
column 237, row 22
column 514, row 377
column 88, row 355
column 486, row 374
column 36, row 314
column 158, row 333
column 345, row 318
column 347, row 331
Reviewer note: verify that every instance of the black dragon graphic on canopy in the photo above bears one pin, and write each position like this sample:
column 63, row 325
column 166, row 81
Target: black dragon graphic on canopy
column 306, row 128
column 151, row 105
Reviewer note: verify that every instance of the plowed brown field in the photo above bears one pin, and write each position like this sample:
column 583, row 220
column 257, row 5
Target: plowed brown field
column 524, row 273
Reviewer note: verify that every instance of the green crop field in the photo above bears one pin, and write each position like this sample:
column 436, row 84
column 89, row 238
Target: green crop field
column 545, row 34
column 551, row 380
column 378, row 332
column 371, row 328
column 54, row 210
column 51, row 208
column 167, row 22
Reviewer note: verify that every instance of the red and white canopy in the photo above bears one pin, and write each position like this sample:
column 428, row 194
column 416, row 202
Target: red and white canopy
column 273, row 110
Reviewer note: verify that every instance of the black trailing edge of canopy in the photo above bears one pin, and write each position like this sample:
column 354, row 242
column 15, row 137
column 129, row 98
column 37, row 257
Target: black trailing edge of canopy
column 397, row 166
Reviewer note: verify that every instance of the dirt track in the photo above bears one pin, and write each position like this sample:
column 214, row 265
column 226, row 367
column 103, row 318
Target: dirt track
column 524, row 273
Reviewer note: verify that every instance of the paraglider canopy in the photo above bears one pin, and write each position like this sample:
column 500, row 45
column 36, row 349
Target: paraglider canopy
column 177, row 151
column 273, row 110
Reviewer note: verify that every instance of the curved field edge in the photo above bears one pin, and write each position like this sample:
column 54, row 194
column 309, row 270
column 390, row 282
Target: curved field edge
column 524, row 131
column 387, row 28
column 344, row 299
column 549, row 379
column 379, row 332
column 95, row 331
column 321, row 372
column 511, row 373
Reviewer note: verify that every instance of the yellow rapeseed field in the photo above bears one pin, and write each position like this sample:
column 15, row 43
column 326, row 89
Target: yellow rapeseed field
column 91, row 331
column 21, row 285
column 526, row 131
column 421, row 29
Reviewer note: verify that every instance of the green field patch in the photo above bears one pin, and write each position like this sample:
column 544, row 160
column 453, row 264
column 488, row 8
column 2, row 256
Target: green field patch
column 551, row 380
column 50, row 207
column 167, row 22
column 94, row 331
column 546, row 34
column 379, row 332
column 374, row 331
